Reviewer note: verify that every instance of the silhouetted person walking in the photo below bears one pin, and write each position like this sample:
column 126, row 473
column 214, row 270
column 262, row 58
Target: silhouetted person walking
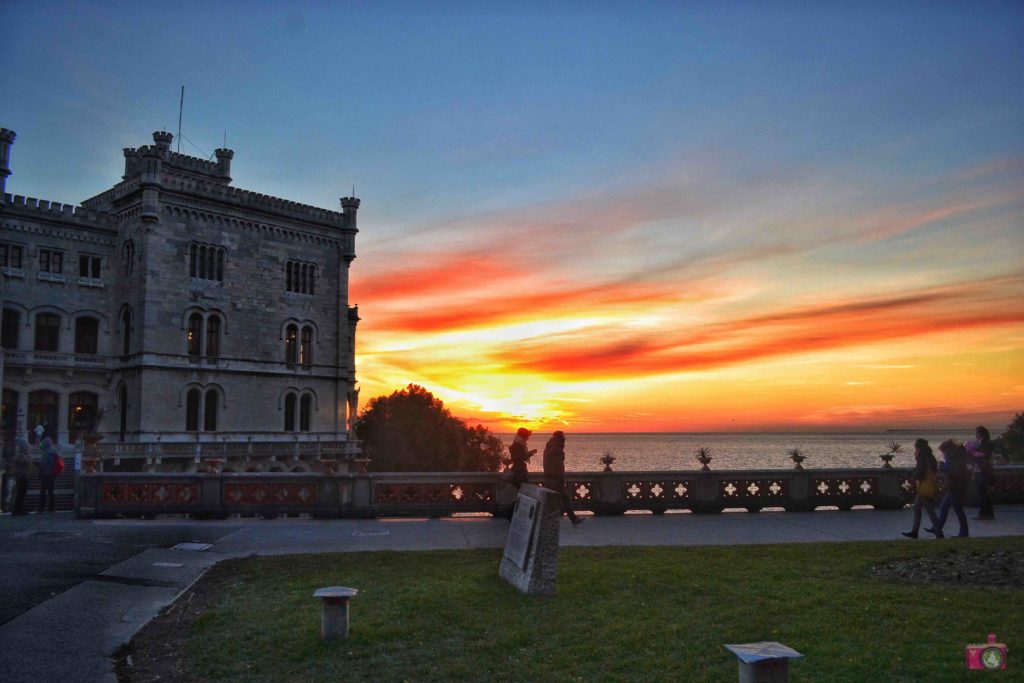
column 520, row 455
column 47, row 475
column 981, row 450
column 554, row 473
column 21, row 467
column 925, row 470
column 957, row 477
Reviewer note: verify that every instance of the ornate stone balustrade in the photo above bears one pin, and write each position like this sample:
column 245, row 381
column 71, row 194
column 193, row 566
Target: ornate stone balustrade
column 437, row 494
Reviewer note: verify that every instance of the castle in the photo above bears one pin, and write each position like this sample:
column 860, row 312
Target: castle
column 179, row 316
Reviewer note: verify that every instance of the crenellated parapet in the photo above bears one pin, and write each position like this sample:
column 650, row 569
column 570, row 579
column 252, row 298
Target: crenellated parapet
column 56, row 210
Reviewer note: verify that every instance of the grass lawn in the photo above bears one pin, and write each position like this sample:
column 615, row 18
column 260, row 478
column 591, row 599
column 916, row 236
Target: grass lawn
column 639, row 614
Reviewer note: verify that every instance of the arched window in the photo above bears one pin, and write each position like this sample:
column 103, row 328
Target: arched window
column 47, row 332
column 11, row 328
column 220, row 265
column 312, row 278
column 210, row 414
column 213, row 336
column 211, row 263
column 193, row 255
column 305, row 410
column 289, row 413
column 304, row 277
column 126, row 331
column 290, row 343
column 122, row 402
column 82, row 407
column 195, row 334
column 202, row 263
column 192, row 410
column 128, row 256
column 86, row 335
column 306, row 347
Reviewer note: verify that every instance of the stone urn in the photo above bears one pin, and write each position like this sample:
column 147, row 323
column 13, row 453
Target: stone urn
column 328, row 466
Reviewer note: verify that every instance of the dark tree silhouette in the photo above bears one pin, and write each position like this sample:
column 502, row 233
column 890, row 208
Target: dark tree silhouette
column 412, row 431
column 1013, row 439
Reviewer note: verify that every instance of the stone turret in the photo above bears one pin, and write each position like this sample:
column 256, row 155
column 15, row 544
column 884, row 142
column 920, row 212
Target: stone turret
column 163, row 141
column 6, row 140
column 224, row 157
column 349, row 206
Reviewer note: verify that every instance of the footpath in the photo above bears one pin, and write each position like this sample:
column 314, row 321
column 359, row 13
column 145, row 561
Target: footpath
column 72, row 636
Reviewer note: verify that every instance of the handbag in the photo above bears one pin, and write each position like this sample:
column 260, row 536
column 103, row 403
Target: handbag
column 928, row 487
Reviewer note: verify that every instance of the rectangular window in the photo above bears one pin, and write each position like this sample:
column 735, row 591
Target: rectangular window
column 51, row 261
column 89, row 266
column 10, row 256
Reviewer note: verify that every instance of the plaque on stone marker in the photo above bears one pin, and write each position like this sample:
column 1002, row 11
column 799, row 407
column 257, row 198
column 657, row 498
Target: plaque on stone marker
column 520, row 534
column 530, row 560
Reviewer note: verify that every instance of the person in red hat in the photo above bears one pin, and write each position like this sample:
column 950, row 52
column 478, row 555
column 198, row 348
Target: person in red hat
column 520, row 456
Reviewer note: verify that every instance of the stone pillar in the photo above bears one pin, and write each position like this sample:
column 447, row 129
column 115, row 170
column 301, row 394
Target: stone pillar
column 22, row 426
column 61, row 429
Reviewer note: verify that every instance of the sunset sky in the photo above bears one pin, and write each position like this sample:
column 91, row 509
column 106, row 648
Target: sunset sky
column 601, row 216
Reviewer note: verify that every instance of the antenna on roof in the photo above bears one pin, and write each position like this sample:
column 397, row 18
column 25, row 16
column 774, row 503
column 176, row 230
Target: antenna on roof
column 353, row 190
column 225, row 138
column 181, row 106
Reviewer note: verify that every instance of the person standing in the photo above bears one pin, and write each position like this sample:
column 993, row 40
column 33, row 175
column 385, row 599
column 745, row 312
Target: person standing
column 957, row 475
column 40, row 432
column 520, row 455
column 925, row 470
column 22, row 469
column 981, row 450
column 47, row 474
column 554, row 473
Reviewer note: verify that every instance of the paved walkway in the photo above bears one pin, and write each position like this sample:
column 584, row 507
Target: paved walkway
column 72, row 636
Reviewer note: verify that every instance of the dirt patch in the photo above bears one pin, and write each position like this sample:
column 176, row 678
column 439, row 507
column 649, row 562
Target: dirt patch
column 157, row 652
column 1004, row 568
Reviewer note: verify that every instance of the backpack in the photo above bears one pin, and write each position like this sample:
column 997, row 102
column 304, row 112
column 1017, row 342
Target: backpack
column 58, row 465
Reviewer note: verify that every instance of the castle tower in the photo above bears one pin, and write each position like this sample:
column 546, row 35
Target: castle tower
column 6, row 140
column 224, row 157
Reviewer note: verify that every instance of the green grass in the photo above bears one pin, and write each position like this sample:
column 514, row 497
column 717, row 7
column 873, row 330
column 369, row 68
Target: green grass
column 638, row 614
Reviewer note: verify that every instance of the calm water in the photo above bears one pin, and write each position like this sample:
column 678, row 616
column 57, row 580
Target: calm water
column 661, row 451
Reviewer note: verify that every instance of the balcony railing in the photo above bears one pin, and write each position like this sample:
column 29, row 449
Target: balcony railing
column 56, row 359
column 437, row 494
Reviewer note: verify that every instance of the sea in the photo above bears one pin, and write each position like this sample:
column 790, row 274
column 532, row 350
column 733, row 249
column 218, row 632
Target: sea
column 640, row 451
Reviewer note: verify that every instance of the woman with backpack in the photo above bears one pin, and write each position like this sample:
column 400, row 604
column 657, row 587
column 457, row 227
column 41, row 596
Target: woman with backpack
column 957, row 479
column 47, row 474
column 927, row 487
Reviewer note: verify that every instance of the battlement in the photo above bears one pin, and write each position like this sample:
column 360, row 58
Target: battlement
column 77, row 214
column 248, row 199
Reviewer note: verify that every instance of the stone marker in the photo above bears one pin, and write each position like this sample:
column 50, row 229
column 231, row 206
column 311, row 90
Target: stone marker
column 763, row 662
column 530, row 561
column 334, row 611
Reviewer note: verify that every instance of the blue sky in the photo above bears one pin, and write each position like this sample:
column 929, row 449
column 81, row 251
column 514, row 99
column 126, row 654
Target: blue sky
column 755, row 152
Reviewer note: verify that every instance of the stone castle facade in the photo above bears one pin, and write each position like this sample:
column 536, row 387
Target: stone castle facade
column 177, row 314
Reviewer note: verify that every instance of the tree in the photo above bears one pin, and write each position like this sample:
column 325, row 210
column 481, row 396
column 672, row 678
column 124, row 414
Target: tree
column 412, row 431
column 1013, row 439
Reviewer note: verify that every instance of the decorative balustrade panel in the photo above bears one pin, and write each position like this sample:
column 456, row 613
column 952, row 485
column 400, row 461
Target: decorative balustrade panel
column 272, row 494
column 657, row 492
column 435, row 494
column 457, row 494
column 149, row 495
